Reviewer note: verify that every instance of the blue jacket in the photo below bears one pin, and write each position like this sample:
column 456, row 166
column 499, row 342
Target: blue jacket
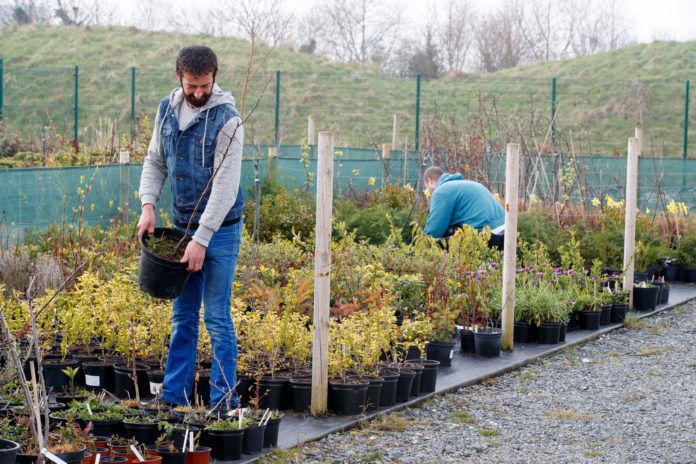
column 456, row 201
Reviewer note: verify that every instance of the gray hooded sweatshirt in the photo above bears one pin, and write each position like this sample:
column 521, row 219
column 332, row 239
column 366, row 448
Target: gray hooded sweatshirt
column 225, row 186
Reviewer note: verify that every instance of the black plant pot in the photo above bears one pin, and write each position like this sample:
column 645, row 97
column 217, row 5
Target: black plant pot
column 252, row 442
column 441, row 351
column 245, row 387
column 8, row 451
column 202, row 388
column 73, row 457
column 415, row 385
column 374, row 390
column 403, row 386
column 669, row 272
column 488, row 342
column 651, row 271
column 563, row 332
column 274, row 393
column 522, row 332
column 467, row 341
column 429, row 375
column 688, row 275
column 99, row 375
column 55, row 379
column 159, row 277
column 348, row 399
column 387, row 397
column 270, row 437
column 155, row 378
column 123, row 384
column 664, row 294
column 143, row 433
column 26, row 458
column 549, row 333
column 645, row 299
column 618, row 312
column 589, row 320
column 107, row 428
column 176, row 457
column 301, row 394
column 605, row 315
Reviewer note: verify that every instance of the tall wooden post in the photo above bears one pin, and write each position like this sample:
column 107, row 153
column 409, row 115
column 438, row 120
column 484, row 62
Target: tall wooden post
column 322, row 274
column 310, row 131
column 631, row 201
column 124, row 183
column 395, row 131
column 512, row 179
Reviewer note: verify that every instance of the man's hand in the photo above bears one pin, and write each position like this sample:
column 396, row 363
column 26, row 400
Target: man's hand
column 194, row 255
column 147, row 220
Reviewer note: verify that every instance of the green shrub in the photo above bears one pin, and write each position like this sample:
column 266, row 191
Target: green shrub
column 283, row 214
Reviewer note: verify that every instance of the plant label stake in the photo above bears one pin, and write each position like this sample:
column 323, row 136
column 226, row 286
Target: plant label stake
column 241, row 417
column 96, row 460
column 191, row 443
column 183, row 448
column 137, row 453
column 52, row 456
column 89, row 410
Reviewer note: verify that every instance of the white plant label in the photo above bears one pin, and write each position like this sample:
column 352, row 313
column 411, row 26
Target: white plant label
column 451, row 354
column 89, row 410
column 52, row 456
column 137, row 453
column 155, row 388
column 96, row 459
column 92, row 380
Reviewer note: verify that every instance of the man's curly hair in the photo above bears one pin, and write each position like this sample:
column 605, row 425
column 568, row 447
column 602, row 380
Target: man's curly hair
column 197, row 60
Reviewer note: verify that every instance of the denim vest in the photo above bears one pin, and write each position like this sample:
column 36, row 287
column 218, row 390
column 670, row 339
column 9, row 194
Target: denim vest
column 188, row 173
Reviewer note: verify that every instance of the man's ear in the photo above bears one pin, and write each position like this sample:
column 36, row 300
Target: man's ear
column 178, row 76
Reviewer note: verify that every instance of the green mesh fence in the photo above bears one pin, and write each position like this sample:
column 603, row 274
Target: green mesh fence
column 592, row 117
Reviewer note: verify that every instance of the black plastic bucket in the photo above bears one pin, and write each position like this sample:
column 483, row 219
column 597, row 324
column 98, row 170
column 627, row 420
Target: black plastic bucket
column 159, row 277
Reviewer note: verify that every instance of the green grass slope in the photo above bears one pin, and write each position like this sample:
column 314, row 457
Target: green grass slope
column 600, row 99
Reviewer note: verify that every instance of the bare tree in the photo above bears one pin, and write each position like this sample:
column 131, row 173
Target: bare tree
column 24, row 12
column 547, row 27
column 499, row 41
column 357, row 30
column 599, row 25
column 265, row 20
column 456, row 34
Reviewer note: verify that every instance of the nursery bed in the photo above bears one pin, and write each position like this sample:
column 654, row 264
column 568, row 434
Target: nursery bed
column 465, row 370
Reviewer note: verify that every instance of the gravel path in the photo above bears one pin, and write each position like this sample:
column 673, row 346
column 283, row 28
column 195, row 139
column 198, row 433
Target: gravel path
column 629, row 396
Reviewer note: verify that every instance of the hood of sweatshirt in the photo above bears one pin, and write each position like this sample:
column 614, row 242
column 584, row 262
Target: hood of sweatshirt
column 445, row 177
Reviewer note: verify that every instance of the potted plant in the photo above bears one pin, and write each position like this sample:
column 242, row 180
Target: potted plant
column 442, row 313
column 226, row 438
column 686, row 255
column 645, row 296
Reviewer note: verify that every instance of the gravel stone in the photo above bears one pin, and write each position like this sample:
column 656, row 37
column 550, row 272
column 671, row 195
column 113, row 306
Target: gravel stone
column 627, row 396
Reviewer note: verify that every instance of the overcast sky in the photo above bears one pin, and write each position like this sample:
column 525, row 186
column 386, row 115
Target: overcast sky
column 654, row 19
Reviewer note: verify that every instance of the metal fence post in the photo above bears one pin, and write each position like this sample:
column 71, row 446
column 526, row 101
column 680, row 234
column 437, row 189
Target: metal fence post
column 277, row 109
column 553, row 113
column 133, row 102
column 76, row 73
column 686, row 116
column 418, row 79
column 1, row 68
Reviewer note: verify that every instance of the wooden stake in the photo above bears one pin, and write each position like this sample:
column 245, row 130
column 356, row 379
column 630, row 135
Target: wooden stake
column 386, row 155
column 395, row 131
column 322, row 274
column 512, row 179
column 631, row 202
column 310, row 131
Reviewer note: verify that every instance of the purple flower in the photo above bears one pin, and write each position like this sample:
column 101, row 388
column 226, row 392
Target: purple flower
column 570, row 303
column 540, row 274
column 494, row 264
column 534, row 281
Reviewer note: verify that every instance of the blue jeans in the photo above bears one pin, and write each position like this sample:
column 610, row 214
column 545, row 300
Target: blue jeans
column 212, row 285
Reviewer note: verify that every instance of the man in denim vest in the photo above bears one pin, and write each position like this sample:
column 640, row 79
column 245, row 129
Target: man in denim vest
column 198, row 136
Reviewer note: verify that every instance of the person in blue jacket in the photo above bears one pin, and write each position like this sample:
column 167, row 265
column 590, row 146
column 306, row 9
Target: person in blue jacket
column 455, row 202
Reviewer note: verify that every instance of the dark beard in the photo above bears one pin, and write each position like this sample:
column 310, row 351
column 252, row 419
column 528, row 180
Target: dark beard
column 197, row 102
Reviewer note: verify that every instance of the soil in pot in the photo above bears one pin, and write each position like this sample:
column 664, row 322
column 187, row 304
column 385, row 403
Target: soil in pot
column 487, row 342
column 441, row 351
column 161, row 274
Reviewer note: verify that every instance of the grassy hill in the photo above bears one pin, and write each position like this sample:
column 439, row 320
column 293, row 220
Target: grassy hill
column 600, row 98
